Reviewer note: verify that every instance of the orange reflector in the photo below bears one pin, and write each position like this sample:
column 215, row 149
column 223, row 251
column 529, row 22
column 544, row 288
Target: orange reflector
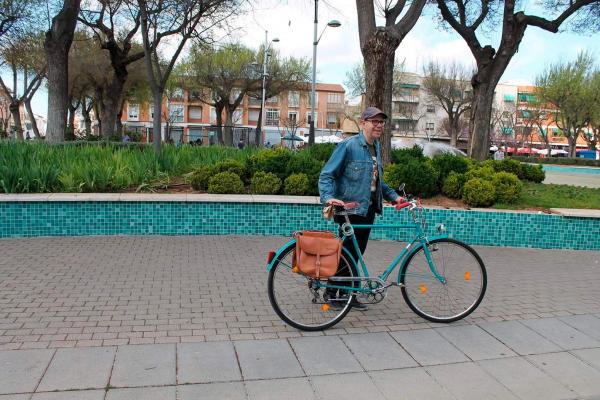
column 325, row 307
column 423, row 288
column 270, row 257
column 467, row 276
column 295, row 270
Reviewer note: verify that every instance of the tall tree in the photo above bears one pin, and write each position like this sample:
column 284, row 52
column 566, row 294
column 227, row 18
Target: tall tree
column 16, row 18
column 23, row 56
column 115, row 25
column 185, row 19
column 227, row 73
column 591, row 133
column 468, row 17
column 449, row 85
column 378, row 45
column 57, row 45
column 564, row 86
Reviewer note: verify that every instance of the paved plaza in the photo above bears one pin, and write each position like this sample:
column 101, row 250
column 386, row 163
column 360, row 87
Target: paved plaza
column 187, row 317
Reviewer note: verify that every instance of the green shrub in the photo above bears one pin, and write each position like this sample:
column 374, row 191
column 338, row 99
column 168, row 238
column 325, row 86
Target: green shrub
column 296, row 185
column 507, row 186
column 453, row 184
column 533, row 173
column 509, row 165
column 419, row 175
column 231, row 165
column 478, row 192
column 200, row 176
column 225, row 182
column 321, row 151
column 302, row 162
column 401, row 155
column 265, row 183
column 268, row 160
column 446, row 163
column 482, row 172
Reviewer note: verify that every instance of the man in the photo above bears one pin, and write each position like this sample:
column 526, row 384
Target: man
column 354, row 174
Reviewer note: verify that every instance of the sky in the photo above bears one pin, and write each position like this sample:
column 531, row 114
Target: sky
column 292, row 22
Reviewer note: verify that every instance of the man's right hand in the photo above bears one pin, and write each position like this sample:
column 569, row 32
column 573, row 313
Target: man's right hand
column 335, row 202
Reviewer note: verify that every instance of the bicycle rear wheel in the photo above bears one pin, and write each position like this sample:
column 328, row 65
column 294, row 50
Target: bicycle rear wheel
column 460, row 293
column 300, row 302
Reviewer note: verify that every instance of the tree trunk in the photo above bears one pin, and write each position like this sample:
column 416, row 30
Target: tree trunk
column 57, row 44
column 481, row 113
column 16, row 117
column 156, row 122
column 572, row 139
column 34, row 127
column 70, row 132
column 219, row 114
column 86, row 116
column 119, row 125
column 258, row 132
column 111, row 105
column 228, row 131
column 378, row 54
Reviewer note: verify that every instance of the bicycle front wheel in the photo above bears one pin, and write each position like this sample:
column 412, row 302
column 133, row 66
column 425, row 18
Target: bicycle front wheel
column 460, row 290
column 301, row 302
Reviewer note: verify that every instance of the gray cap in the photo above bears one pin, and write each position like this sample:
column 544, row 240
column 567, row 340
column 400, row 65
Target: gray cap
column 370, row 112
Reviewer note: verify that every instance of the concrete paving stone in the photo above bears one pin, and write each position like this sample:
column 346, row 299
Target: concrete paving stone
column 280, row 389
column 209, row 391
column 409, row 384
column 71, row 395
column 570, row 372
column 21, row 370
column 322, row 355
column 355, row 386
column 519, row 338
column 476, row 343
column 15, row 397
column 562, row 334
column 588, row 324
column 468, row 381
column 80, row 368
column 147, row 393
column 267, row 359
column 525, row 380
column 144, row 365
column 207, row 362
column 376, row 351
column 589, row 356
column 428, row 347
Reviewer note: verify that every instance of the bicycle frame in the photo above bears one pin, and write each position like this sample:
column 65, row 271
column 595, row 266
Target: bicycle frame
column 419, row 238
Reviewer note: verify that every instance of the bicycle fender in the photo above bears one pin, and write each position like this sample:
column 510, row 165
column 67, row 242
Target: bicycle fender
column 293, row 243
column 278, row 253
column 416, row 248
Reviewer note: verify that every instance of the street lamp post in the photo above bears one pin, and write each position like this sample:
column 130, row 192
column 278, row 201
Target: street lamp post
column 264, row 84
column 334, row 24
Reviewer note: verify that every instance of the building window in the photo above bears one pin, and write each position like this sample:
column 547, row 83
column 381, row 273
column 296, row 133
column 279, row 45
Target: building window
column 253, row 116
column 308, row 118
column 237, row 116
column 195, row 112
column 309, row 99
column 133, row 112
column 293, row 99
column 194, row 95
column 292, row 118
column 429, row 126
column 195, row 135
column 334, row 98
column 332, row 119
column 213, row 115
column 430, row 109
column 272, row 117
column 176, row 113
column 177, row 93
column 272, row 100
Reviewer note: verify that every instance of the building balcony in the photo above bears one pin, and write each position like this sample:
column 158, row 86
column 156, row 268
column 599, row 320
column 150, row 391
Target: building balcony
column 407, row 99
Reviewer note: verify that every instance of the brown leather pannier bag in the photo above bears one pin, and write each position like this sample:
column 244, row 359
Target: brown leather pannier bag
column 317, row 253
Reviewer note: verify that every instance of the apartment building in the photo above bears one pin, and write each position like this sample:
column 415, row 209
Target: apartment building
column 187, row 119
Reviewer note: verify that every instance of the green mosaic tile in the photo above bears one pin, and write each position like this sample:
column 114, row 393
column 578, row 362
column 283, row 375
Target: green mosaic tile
column 21, row 219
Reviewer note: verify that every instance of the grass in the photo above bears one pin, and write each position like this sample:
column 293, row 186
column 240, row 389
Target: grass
column 538, row 195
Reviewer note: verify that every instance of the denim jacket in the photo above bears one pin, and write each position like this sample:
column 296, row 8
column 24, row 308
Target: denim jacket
column 348, row 173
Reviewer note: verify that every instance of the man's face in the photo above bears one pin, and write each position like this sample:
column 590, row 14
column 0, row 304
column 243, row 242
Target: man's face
column 373, row 127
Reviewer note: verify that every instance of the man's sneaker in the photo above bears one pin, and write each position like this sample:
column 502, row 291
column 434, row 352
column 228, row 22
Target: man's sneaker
column 357, row 305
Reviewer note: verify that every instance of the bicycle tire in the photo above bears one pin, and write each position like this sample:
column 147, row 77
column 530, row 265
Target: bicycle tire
column 292, row 298
column 459, row 296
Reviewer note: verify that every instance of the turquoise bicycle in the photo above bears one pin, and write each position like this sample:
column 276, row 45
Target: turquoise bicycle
column 441, row 279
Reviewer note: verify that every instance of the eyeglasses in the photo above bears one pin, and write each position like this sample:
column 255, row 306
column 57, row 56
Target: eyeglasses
column 376, row 121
